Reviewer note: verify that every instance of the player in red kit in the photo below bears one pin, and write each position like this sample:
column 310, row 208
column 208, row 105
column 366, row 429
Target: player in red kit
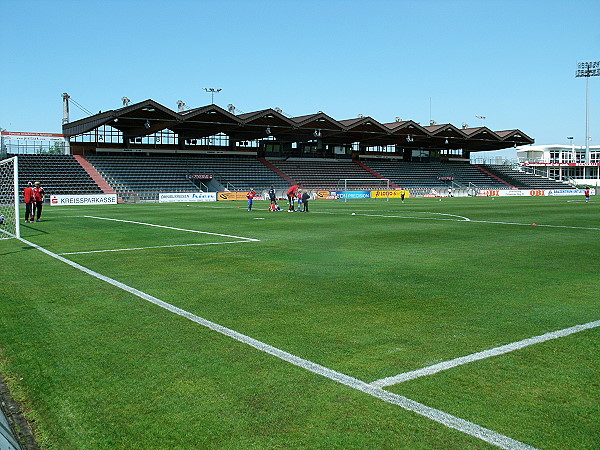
column 291, row 194
column 29, row 202
column 250, row 196
column 38, row 198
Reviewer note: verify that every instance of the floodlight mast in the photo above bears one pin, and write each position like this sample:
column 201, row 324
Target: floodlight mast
column 66, row 119
column 587, row 69
column 212, row 93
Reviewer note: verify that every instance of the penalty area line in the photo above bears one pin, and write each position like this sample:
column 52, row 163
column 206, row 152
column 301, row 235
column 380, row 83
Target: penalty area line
column 152, row 247
column 430, row 370
column 173, row 228
column 441, row 417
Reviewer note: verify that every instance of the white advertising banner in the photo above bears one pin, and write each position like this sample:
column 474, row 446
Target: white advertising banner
column 22, row 136
column 91, row 199
column 530, row 192
column 569, row 192
column 187, row 197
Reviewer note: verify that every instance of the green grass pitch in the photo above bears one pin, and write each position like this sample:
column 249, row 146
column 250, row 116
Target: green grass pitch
column 394, row 288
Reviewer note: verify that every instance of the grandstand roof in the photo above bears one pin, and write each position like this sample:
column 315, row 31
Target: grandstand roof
column 148, row 117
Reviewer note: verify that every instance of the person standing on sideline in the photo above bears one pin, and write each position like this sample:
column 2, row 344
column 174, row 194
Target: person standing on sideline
column 587, row 194
column 250, row 196
column 291, row 194
column 272, row 197
column 402, row 194
column 305, row 199
column 299, row 197
column 38, row 198
column 28, row 197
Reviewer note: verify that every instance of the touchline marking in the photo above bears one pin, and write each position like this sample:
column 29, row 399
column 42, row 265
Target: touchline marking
column 397, row 379
column 156, row 246
column 464, row 219
column 456, row 219
column 173, row 228
column 537, row 225
column 448, row 420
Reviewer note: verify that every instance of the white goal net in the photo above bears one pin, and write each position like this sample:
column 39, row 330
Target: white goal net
column 9, row 199
column 357, row 188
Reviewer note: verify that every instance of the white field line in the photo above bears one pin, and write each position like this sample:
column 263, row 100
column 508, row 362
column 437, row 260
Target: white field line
column 173, row 228
column 155, row 246
column 537, row 225
column 397, row 379
column 448, row 420
column 453, row 217
column 462, row 219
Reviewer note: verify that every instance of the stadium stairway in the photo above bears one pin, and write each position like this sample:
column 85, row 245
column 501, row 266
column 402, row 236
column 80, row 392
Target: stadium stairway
column 494, row 176
column 96, row 176
column 277, row 171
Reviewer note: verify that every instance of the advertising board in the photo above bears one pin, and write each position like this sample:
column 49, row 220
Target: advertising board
column 91, row 199
column 530, row 192
column 171, row 197
column 390, row 194
column 351, row 194
column 230, row 195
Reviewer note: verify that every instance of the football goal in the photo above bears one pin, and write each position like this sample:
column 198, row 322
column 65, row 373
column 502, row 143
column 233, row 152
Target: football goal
column 355, row 188
column 9, row 198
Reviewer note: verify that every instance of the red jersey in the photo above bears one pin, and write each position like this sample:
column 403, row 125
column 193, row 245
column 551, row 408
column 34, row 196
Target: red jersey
column 38, row 194
column 250, row 195
column 28, row 194
column 293, row 190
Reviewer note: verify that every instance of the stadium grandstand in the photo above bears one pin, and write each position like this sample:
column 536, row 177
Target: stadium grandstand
column 143, row 149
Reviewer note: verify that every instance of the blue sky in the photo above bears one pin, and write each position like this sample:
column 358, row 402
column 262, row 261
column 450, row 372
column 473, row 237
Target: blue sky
column 511, row 61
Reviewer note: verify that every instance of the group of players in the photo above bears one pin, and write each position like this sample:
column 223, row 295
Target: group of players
column 33, row 195
column 294, row 193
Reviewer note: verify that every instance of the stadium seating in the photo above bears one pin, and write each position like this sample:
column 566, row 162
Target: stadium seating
column 322, row 174
column 141, row 177
column 523, row 180
column 59, row 175
column 421, row 175
column 147, row 176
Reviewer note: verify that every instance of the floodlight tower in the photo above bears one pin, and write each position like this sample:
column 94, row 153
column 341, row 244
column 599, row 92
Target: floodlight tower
column 66, row 119
column 212, row 93
column 587, row 69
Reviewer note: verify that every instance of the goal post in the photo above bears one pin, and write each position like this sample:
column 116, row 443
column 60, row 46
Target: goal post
column 9, row 198
column 356, row 188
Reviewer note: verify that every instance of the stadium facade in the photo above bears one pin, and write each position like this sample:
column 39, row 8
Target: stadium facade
column 570, row 163
column 149, row 127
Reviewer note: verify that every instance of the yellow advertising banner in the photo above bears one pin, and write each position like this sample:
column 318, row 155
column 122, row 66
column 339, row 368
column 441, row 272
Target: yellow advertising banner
column 390, row 194
column 226, row 195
